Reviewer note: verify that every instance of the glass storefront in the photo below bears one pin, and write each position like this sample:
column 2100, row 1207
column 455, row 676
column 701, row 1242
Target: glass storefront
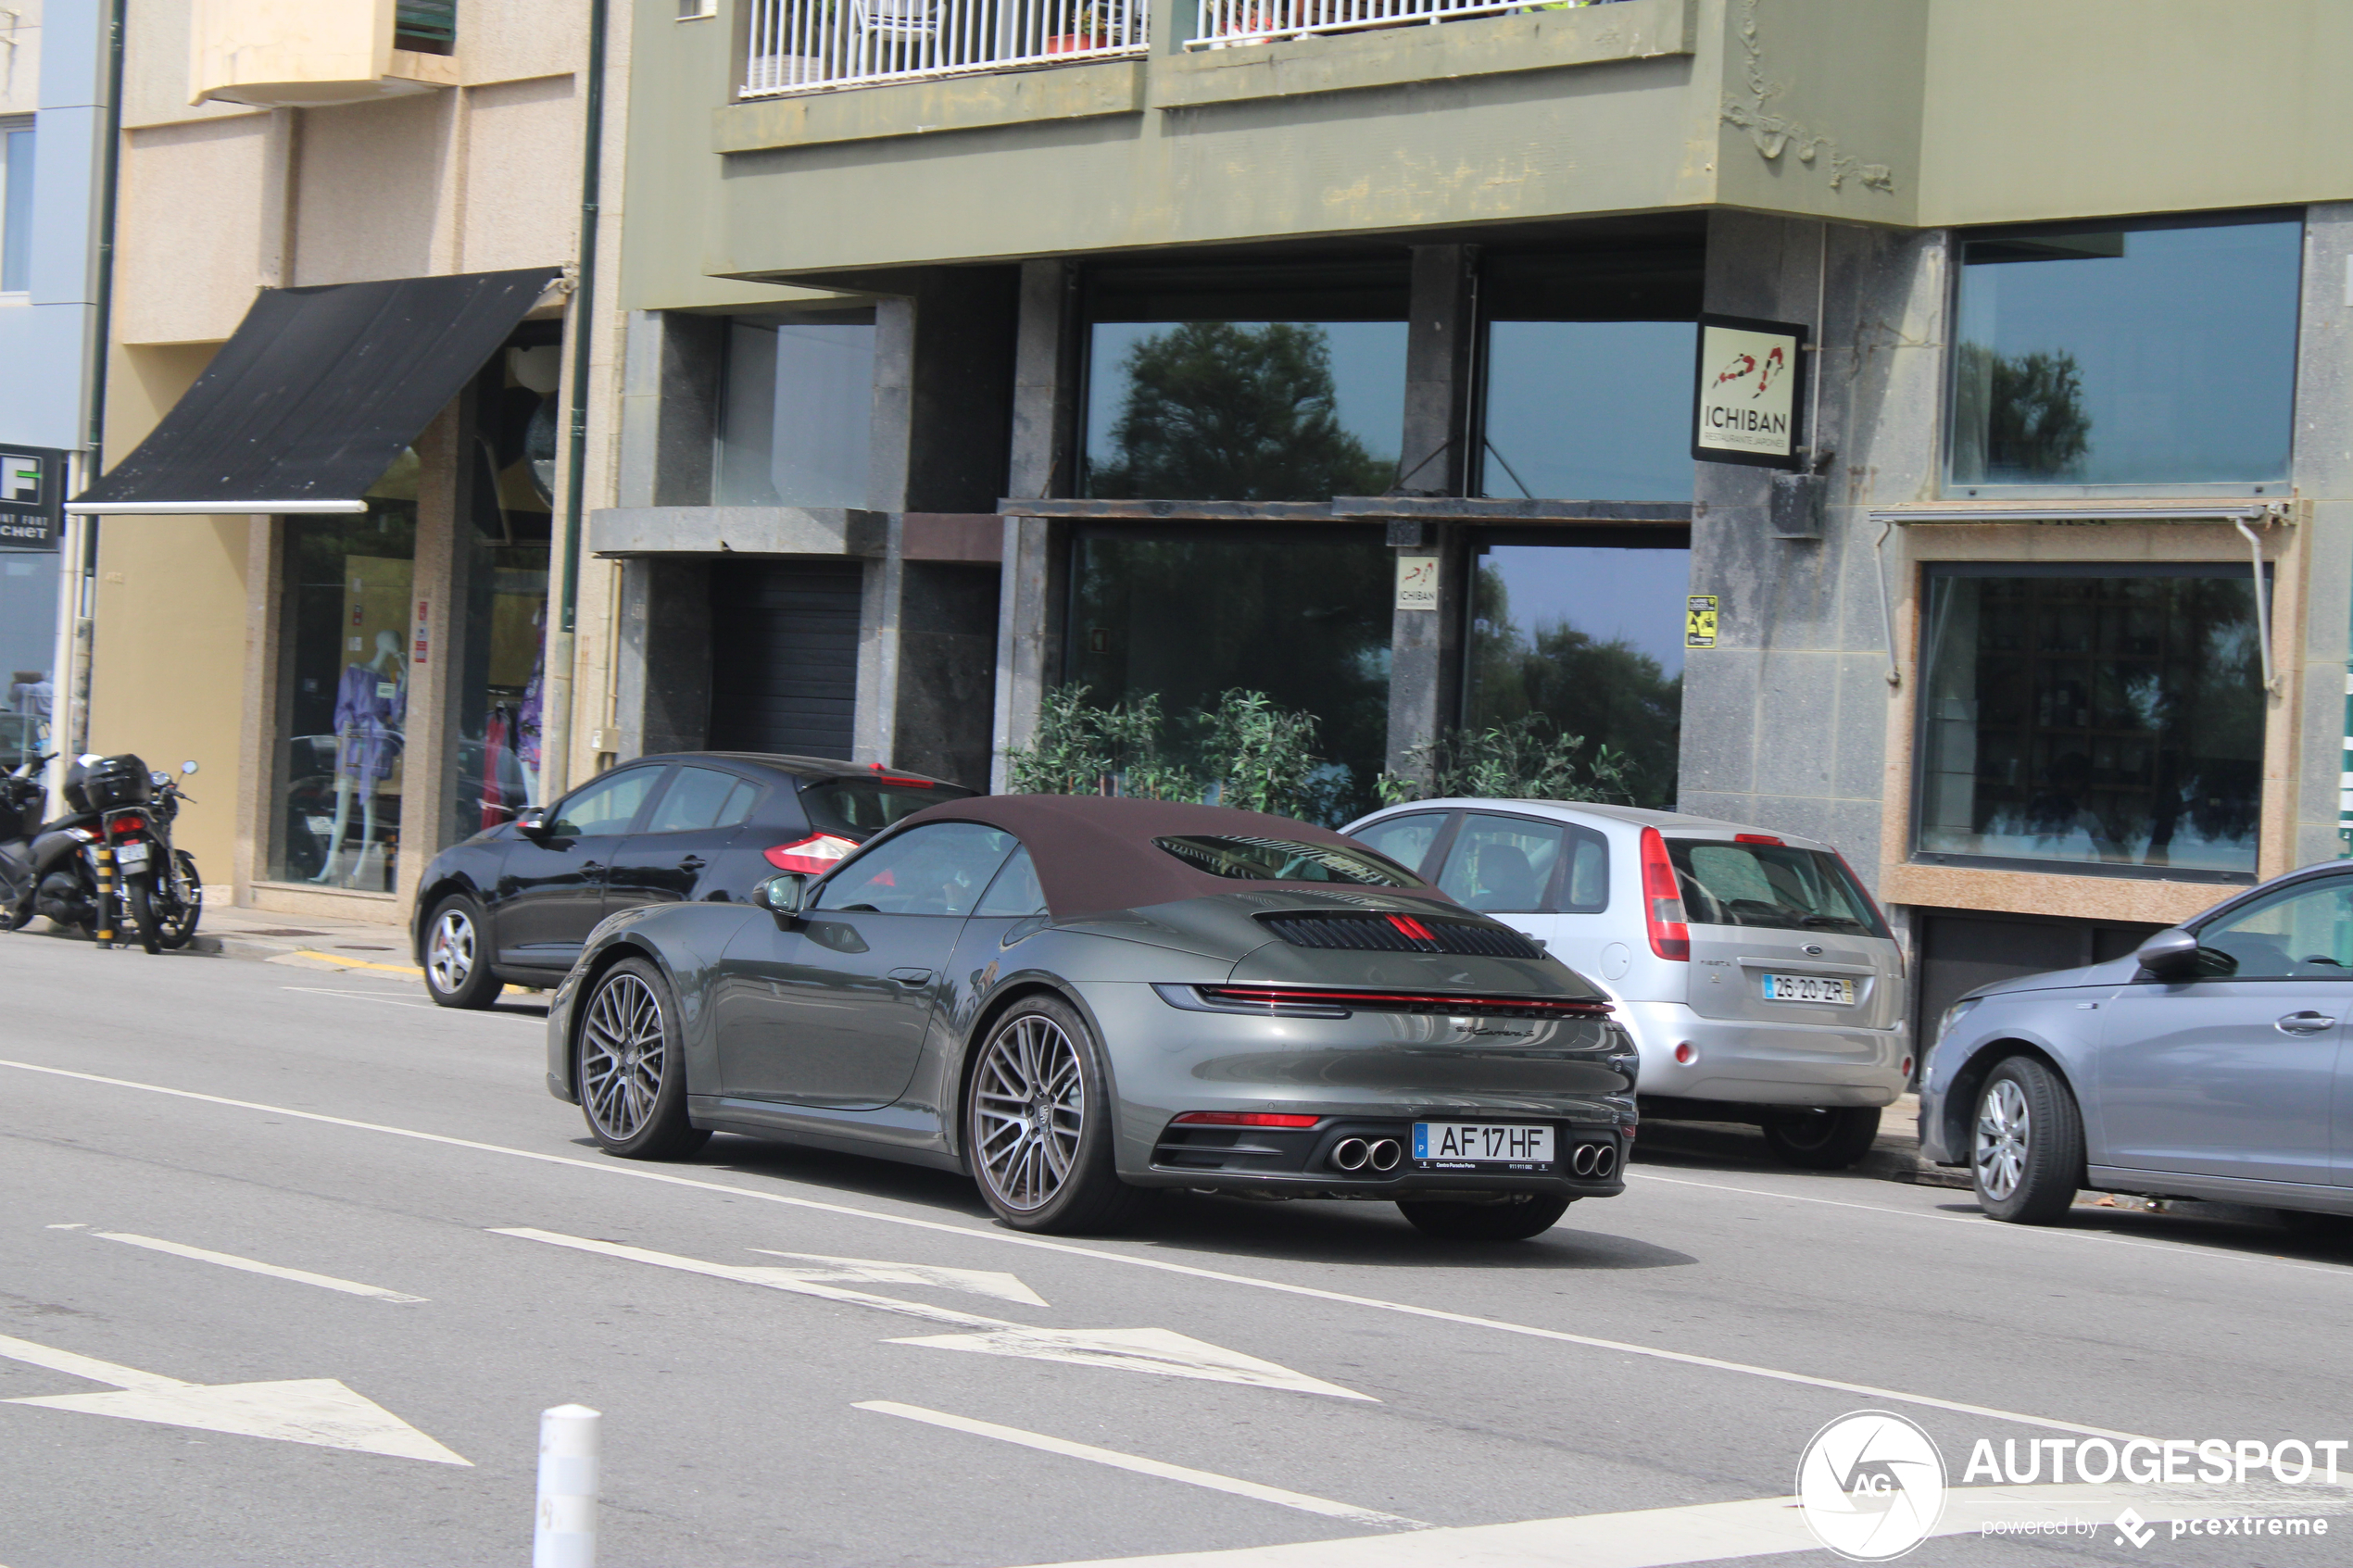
column 28, row 647
column 1301, row 615
column 796, row 412
column 1275, row 384
column 1585, row 628
column 2161, row 353
column 504, row 581
column 2106, row 717
column 348, row 629
column 1586, row 375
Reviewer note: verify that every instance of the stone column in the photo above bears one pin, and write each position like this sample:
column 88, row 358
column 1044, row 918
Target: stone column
column 428, row 776
column 1425, row 668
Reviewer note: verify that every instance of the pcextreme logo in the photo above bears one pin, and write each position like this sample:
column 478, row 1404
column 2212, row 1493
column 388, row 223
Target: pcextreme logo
column 1871, row 1486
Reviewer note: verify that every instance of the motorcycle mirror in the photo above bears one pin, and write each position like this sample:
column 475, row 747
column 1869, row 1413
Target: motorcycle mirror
column 189, row 766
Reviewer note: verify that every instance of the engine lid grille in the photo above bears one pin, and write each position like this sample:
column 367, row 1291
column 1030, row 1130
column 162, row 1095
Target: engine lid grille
column 1399, row 933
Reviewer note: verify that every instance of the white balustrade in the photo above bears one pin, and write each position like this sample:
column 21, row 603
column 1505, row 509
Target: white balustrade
column 800, row 44
column 1225, row 23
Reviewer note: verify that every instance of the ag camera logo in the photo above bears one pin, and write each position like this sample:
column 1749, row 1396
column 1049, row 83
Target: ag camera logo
column 1871, row 1486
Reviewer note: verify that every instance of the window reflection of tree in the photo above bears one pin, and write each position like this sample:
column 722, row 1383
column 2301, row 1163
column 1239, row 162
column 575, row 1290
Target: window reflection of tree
column 1607, row 690
column 1221, row 410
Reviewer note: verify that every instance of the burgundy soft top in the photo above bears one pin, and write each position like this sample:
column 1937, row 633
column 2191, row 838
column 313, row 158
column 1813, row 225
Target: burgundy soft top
column 1095, row 853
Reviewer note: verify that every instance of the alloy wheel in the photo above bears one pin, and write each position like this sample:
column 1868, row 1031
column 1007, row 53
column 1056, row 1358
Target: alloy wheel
column 449, row 957
column 2002, row 1133
column 623, row 1055
column 1029, row 1107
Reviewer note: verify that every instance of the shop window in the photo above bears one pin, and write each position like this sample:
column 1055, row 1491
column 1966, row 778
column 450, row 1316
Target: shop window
column 1585, row 629
column 2108, row 718
column 348, row 630
column 1275, row 384
column 1303, row 616
column 16, row 207
column 797, row 412
column 1586, row 383
column 503, row 581
column 2151, row 354
column 28, row 628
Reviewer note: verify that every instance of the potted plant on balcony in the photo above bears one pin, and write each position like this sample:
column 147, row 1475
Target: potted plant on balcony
column 1091, row 30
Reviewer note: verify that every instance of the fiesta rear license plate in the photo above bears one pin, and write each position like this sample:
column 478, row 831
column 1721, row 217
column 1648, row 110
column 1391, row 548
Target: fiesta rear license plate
column 1478, row 1145
column 1808, row 989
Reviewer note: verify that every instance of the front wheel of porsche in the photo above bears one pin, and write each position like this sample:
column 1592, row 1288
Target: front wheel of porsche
column 630, row 1070
column 1038, row 1123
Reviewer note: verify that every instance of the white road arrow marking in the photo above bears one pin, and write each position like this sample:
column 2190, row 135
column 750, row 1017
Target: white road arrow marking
column 978, row 1282
column 229, row 1261
column 1155, row 1351
column 1143, row 1466
column 308, row 1410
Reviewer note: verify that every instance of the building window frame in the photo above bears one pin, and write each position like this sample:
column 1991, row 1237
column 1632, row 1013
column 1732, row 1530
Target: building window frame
column 1952, row 488
column 16, row 247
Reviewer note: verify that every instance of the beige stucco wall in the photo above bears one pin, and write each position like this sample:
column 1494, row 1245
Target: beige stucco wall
column 21, row 58
column 188, row 256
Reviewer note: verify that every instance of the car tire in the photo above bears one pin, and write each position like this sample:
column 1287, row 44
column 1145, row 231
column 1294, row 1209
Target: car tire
column 2026, row 1146
column 1040, row 1122
column 1823, row 1140
column 1515, row 1219
column 458, row 973
column 629, row 1063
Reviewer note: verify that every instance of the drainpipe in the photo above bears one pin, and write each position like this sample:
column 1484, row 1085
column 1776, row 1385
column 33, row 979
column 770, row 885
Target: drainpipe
column 555, row 740
column 75, row 731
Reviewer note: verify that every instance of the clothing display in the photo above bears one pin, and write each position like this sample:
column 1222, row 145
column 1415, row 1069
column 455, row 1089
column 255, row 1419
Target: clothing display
column 527, row 727
column 496, row 743
column 369, row 708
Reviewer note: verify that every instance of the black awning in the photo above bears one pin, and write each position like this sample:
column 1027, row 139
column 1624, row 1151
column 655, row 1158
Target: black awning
column 308, row 405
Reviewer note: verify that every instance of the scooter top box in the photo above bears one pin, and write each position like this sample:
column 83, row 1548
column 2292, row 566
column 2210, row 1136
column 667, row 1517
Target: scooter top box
column 103, row 783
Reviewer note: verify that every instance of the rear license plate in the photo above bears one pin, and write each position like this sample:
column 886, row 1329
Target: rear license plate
column 1808, row 989
column 1465, row 1145
column 131, row 857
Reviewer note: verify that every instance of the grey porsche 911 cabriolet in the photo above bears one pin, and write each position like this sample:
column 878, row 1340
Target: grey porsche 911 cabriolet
column 1077, row 1001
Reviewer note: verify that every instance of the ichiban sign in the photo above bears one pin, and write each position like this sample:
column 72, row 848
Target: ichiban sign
column 1751, row 380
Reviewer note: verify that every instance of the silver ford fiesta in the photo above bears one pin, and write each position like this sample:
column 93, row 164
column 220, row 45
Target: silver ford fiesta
column 1077, row 1000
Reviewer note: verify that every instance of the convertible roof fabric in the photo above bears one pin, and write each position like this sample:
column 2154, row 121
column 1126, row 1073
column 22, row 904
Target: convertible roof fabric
column 1095, row 854
column 308, row 405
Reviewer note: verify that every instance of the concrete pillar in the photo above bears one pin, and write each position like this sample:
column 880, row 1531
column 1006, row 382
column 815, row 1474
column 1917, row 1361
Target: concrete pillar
column 670, row 409
column 1049, row 355
column 437, row 618
column 1032, row 602
column 261, row 777
column 661, row 698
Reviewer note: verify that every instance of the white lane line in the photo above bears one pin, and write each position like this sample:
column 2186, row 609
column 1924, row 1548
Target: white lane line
column 229, row 1260
column 1162, row 1265
column 1993, row 1229
column 1718, row 1532
column 818, row 1266
column 363, row 996
column 1118, row 1460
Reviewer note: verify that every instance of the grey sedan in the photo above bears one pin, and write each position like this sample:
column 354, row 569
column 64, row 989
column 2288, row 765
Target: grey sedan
column 1077, row 1001
column 2211, row 1064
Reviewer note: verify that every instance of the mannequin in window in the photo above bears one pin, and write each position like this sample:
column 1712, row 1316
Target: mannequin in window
column 371, row 703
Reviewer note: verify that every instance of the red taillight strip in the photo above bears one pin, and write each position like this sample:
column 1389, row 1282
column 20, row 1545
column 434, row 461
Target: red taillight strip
column 1244, row 1119
column 1415, row 1001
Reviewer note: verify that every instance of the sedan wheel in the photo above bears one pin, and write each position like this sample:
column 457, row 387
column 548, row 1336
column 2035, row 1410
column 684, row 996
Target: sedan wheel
column 457, row 969
column 2027, row 1156
column 632, row 1081
column 1039, row 1127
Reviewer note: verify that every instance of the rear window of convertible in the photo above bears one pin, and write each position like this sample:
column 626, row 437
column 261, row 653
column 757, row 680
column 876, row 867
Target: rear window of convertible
column 1286, row 859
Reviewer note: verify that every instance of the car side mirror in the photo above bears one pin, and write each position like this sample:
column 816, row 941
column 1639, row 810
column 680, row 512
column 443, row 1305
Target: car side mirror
column 2170, row 954
column 783, row 893
column 531, row 822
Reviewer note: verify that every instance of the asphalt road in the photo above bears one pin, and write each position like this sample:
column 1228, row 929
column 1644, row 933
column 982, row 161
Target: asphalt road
column 230, row 1173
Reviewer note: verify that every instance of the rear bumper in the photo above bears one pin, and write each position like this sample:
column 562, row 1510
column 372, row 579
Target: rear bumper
column 1300, row 1162
column 1744, row 1063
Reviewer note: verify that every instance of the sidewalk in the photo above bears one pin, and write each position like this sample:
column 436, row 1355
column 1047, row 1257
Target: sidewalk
column 303, row 942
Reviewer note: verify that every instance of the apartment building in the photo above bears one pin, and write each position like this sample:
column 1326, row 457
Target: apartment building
column 1152, row 345
column 348, row 352
column 53, row 83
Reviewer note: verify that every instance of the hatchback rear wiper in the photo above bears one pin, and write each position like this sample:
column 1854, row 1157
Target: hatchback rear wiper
column 1830, row 920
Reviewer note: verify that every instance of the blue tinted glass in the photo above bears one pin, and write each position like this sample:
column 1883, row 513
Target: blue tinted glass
column 798, row 418
column 15, row 224
column 1245, row 410
column 1589, row 410
column 2155, row 356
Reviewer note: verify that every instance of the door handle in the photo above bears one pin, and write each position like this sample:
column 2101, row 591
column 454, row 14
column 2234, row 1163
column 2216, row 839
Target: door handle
column 2305, row 1023
column 693, row 863
column 910, row 978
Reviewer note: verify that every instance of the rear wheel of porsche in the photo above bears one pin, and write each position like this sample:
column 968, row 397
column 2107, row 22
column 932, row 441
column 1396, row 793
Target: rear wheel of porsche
column 1038, row 1123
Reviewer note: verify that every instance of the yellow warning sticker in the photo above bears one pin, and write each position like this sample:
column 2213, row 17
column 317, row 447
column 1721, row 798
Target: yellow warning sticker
column 1699, row 621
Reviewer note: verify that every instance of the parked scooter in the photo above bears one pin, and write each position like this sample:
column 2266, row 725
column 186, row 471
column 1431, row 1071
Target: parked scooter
column 115, row 802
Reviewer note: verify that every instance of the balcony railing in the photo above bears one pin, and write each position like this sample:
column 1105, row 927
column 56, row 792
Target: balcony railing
column 798, row 45
column 1223, row 23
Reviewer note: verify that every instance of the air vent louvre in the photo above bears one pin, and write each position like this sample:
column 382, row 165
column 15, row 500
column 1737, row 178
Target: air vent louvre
column 1399, row 933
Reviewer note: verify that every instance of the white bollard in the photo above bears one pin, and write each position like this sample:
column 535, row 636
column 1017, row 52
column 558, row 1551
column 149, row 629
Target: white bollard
column 565, row 1534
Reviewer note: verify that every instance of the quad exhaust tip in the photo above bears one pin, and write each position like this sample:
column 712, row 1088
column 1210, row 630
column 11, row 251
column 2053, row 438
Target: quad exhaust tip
column 1385, row 1154
column 1593, row 1159
column 1350, row 1154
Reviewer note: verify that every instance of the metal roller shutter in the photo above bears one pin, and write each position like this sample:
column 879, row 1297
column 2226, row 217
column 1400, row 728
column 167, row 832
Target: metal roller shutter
column 784, row 647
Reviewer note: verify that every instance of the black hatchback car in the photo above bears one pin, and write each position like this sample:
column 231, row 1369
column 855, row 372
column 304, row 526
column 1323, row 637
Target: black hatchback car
column 516, row 902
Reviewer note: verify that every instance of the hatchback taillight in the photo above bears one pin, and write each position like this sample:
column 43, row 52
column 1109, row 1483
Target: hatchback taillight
column 1663, row 900
column 815, row 855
